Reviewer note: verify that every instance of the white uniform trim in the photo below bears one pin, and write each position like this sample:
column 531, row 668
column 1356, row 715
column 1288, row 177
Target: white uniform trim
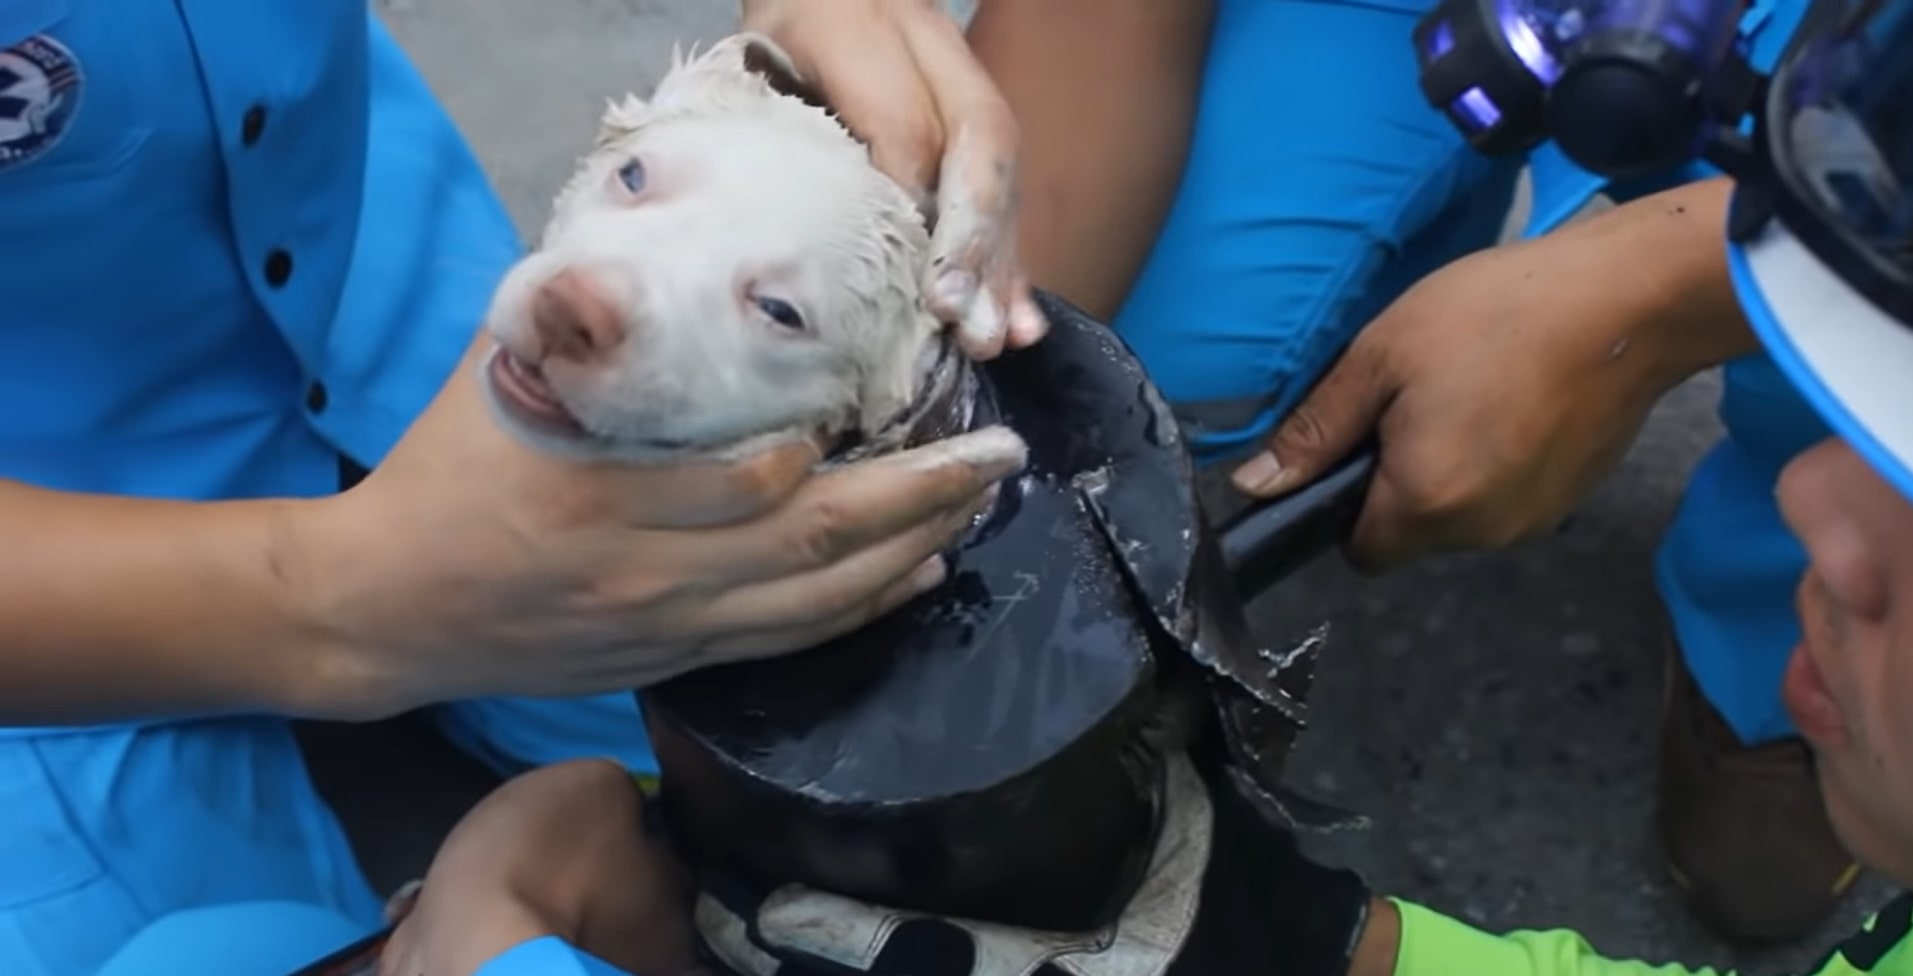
column 1850, row 359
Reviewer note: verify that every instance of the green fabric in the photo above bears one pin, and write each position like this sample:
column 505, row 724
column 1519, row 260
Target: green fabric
column 1435, row 945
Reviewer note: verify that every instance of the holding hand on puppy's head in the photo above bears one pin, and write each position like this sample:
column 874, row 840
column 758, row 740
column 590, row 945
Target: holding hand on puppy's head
column 726, row 290
column 900, row 74
column 479, row 558
column 469, row 564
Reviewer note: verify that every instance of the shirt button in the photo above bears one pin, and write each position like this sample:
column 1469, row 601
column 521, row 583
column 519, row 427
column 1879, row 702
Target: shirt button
column 254, row 125
column 316, row 397
column 278, row 267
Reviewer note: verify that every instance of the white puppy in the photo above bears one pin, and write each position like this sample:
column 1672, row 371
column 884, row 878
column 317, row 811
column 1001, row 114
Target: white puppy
column 726, row 269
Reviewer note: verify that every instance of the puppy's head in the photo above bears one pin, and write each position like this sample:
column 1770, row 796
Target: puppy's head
column 725, row 269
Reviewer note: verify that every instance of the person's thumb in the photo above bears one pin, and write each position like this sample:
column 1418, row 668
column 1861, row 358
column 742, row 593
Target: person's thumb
column 1338, row 414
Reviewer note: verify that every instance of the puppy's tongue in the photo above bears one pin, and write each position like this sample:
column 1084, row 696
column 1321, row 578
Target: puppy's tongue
column 523, row 384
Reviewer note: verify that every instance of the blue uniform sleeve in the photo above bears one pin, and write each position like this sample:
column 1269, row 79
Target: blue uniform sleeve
column 548, row 956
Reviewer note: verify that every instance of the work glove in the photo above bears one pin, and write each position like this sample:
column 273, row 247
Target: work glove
column 1268, row 905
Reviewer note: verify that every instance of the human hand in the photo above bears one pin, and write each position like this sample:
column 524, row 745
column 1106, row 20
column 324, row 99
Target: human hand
column 1506, row 385
column 900, row 74
column 558, row 851
column 468, row 564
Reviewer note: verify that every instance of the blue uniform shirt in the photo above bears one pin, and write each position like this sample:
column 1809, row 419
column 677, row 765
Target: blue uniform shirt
column 240, row 239
column 198, row 300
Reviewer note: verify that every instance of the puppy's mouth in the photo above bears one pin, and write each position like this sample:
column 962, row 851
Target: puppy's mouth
column 945, row 404
column 523, row 389
column 948, row 398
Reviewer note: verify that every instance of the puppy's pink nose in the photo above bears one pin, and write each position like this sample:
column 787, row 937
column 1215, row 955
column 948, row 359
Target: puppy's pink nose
column 575, row 318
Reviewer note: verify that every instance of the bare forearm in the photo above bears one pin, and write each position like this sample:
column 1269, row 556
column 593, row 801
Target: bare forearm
column 117, row 607
column 1668, row 249
column 1105, row 95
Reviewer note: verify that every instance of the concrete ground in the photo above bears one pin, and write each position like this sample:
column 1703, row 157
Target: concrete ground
column 1495, row 715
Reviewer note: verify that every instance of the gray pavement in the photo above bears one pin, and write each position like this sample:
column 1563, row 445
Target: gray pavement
column 1494, row 714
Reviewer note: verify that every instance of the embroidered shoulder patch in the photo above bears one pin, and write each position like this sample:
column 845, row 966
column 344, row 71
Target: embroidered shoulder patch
column 40, row 84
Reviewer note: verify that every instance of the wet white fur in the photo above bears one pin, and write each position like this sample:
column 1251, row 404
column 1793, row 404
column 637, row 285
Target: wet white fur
column 748, row 192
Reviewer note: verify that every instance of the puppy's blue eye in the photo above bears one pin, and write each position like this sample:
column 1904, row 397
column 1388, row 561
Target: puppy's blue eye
column 781, row 312
column 631, row 175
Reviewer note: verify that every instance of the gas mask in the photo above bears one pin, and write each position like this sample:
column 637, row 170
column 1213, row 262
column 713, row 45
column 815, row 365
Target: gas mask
column 1623, row 87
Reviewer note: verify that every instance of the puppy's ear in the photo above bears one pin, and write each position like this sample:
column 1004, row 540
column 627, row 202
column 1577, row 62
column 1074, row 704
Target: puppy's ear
column 768, row 60
column 621, row 118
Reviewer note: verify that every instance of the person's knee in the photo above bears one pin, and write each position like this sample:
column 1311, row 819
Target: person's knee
column 1299, row 218
column 224, row 811
column 1225, row 352
column 1234, row 327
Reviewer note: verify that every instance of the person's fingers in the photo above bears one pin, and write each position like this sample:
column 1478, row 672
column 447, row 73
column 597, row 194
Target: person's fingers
column 871, row 80
column 972, row 112
column 1338, row 414
column 786, row 639
column 845, row 511
column 1028, row 324
column 1386, row 534
column 796, row 615
column 972, row 280
column 1002, row 314
column 840, row 587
